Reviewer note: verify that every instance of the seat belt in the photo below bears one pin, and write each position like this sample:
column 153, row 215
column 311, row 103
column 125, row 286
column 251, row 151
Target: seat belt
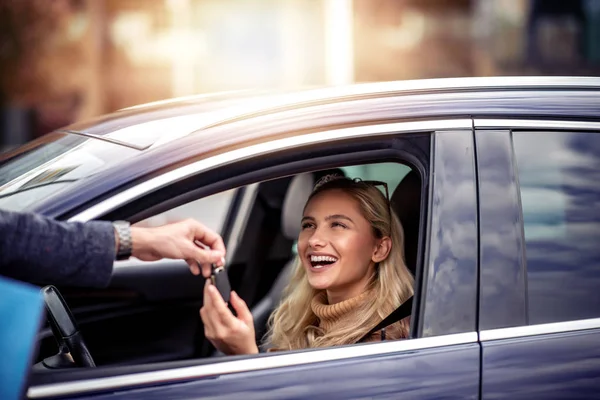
column 403, row 311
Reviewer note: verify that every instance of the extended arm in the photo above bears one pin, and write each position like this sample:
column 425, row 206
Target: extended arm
column 39, row 249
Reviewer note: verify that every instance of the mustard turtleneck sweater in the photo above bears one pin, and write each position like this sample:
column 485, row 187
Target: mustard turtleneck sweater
column 331, row 314
column 339, row 313
column 344, row 312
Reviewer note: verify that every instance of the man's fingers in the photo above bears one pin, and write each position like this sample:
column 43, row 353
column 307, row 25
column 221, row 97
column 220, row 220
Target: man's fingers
column 194, row 267
column 206, row 256
column 206, row 270
column 240, row 307
column 208, row 237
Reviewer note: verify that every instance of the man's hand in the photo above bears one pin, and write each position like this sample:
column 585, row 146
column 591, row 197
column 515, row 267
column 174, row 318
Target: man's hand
column 180, row 240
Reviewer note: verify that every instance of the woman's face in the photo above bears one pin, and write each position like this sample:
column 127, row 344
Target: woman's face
column 337, row 246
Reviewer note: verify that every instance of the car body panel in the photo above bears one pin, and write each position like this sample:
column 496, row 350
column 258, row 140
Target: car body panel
column 503, row 301
column 554, row 366
column 451, row 282
column 449, row 372
column 462, row 349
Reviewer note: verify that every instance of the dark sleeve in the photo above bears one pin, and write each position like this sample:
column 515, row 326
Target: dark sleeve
column 42, row 250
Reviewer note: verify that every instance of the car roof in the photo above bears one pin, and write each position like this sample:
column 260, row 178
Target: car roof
column 157, row 123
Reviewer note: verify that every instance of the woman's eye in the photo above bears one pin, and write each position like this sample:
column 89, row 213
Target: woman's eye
column 306, row 225
column 338, row 225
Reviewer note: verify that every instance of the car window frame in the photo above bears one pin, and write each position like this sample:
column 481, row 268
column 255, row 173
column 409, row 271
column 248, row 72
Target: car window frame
column 272, row 360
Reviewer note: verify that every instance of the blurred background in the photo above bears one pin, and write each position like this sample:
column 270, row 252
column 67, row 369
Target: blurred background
column 67, row 60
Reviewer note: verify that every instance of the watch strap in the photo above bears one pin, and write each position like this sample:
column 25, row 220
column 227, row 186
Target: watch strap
column 123, row 230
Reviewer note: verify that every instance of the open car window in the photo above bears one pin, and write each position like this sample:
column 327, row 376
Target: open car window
column 391, row 173
column 211, row 211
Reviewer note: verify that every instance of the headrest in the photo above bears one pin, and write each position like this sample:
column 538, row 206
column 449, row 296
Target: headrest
column 405, row 199
column 297, row 194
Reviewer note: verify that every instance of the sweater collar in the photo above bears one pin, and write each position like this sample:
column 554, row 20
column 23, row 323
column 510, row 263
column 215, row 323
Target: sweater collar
column 330, row 314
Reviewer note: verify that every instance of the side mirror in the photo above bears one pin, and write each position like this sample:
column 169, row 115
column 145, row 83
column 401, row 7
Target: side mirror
column 65, row 331
column 59, row 315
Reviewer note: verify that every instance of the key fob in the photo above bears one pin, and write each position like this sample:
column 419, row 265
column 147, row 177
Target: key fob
column 221, row 281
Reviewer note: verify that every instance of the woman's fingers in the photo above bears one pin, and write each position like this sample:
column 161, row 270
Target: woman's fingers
column 207, row 320
column 240, row 307
column 214, row 311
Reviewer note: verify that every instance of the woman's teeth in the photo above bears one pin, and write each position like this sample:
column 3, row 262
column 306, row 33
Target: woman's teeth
column 323, row 258
column 320, row 261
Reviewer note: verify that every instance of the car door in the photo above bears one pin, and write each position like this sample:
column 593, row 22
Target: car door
column 540, row 268
column 443, row 357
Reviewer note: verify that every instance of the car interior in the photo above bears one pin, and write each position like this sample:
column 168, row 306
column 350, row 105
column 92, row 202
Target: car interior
column 149, row 315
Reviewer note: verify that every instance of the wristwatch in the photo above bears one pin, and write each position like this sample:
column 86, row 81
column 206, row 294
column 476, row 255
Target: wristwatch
column 123, row 230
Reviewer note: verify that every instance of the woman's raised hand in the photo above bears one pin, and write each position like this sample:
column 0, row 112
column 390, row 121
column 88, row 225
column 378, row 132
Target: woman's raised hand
column 228, row 333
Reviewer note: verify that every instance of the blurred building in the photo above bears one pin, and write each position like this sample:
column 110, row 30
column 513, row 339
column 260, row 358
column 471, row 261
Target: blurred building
column 111, row 54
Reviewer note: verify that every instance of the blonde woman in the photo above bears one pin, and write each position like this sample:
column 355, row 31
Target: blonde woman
column 350, row 274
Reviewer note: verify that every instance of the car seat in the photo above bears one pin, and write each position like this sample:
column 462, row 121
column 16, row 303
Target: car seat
column 297, row 194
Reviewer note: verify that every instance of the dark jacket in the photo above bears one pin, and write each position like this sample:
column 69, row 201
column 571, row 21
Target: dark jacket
column 42, row 250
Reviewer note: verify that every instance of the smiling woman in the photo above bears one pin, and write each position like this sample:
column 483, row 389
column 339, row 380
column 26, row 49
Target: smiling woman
column 349, row 275
column 350, row 272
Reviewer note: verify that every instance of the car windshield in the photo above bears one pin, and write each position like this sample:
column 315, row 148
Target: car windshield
column 47, row 165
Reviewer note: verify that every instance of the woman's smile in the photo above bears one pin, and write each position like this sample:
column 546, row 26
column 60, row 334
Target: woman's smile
column 321, row 262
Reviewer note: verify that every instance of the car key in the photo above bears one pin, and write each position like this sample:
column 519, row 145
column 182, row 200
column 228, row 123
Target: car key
column 220, row 279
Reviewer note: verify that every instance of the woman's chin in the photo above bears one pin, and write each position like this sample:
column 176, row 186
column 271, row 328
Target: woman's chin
column 319, row 282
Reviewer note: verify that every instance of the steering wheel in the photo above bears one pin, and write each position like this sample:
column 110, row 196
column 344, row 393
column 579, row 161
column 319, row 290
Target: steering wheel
column 65, row 328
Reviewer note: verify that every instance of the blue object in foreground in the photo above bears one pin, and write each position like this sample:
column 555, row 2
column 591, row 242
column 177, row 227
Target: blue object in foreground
column 17, row 335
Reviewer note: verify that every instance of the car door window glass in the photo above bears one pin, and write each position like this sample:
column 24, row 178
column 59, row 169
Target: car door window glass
column 559, row 174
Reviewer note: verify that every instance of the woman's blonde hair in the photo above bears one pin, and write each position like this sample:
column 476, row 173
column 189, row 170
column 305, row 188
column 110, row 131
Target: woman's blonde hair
column 293, row 325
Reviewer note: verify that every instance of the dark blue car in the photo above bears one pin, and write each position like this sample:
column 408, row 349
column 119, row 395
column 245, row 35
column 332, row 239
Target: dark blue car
column 496, row 182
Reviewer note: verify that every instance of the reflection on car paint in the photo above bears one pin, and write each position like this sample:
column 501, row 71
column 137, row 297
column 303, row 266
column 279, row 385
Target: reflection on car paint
column 503, row 302
column 431, row 373
column 560, row 366
column 451, row 292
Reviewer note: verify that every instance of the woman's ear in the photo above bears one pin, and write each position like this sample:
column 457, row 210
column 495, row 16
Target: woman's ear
column 382, row 250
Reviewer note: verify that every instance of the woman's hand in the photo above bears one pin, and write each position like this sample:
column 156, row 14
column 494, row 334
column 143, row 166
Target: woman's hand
column 228, row 333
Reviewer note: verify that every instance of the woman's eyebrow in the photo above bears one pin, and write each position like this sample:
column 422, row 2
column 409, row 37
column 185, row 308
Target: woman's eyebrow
column 338, row 216
column 307, row 218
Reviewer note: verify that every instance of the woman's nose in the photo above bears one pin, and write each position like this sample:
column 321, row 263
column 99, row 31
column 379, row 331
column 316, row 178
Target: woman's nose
column 316, row 239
